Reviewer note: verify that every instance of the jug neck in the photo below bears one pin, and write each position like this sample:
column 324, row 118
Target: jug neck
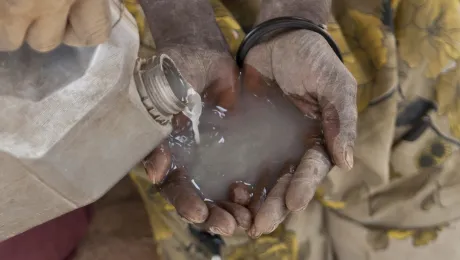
column 162, row 88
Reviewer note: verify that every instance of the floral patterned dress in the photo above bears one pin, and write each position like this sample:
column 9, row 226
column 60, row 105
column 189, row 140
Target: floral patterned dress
column 402, row 198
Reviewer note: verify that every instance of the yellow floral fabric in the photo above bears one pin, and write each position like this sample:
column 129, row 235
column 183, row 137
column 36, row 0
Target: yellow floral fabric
column 432, row 26
column 370, row 57
column 405, row 57
column 279, row 245
column 379, row 240
column 447, row 93
column 231, row 29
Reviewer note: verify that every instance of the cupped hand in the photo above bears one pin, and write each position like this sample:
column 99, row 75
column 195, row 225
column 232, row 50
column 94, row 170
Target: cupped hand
column 208, row 66
column 175, row 185
column 45, row 24
column 308, row 71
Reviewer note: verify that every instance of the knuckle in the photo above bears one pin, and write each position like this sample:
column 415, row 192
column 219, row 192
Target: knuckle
column 97, row 34
column 43, row 47
column 11, row 42
column 9, row 46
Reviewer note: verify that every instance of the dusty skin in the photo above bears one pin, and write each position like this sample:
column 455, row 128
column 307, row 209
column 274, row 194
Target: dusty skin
column 206, row 64
column 263, row 131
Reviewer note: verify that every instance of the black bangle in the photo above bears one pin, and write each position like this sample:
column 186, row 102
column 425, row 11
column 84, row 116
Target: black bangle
column 254, row 36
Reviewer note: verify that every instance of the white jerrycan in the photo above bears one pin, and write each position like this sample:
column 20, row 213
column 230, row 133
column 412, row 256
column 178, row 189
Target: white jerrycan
column 74, row 121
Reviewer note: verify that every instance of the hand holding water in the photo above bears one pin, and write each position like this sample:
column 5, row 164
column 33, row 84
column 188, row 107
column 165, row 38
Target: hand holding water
column 308, row 71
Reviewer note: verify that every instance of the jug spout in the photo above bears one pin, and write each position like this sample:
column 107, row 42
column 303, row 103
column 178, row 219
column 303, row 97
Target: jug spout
column 162, row 88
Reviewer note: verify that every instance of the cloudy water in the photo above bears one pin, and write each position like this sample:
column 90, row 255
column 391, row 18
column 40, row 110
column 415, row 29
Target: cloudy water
column 257, row 137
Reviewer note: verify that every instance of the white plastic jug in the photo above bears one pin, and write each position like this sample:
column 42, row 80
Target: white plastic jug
column 74, row 121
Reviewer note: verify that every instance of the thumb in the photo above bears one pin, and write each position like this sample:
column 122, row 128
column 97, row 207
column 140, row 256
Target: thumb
column 339, row 118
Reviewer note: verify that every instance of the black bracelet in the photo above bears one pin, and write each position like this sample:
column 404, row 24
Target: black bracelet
column 254, row 36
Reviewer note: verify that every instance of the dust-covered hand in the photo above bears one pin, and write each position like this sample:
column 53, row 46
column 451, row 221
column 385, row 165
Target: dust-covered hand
column 187, row 32
column 45, row 24
column 305, row 67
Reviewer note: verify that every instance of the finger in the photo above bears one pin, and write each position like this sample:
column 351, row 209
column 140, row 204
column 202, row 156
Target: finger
column 47, row 32
column 274, row 210
column 241, row 214
column 312, row 169
column 240, row 193
column 181, row 193
column 260, row 193
column 158, row 163
column 89, row 23
column 219, row 221
column 12, row 31
column 339, row 119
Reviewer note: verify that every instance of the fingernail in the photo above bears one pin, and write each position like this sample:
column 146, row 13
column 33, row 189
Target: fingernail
column 349, row 157
column 253, row 233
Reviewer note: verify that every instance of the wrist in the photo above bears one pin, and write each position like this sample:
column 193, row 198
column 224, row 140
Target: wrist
column 315, row 10
column 183, row 22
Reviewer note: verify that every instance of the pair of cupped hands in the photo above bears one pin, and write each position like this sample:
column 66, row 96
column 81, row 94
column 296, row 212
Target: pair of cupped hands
column 300, row 62
column 307, row 70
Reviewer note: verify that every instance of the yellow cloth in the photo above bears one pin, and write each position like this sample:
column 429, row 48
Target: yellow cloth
column 405, row 184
